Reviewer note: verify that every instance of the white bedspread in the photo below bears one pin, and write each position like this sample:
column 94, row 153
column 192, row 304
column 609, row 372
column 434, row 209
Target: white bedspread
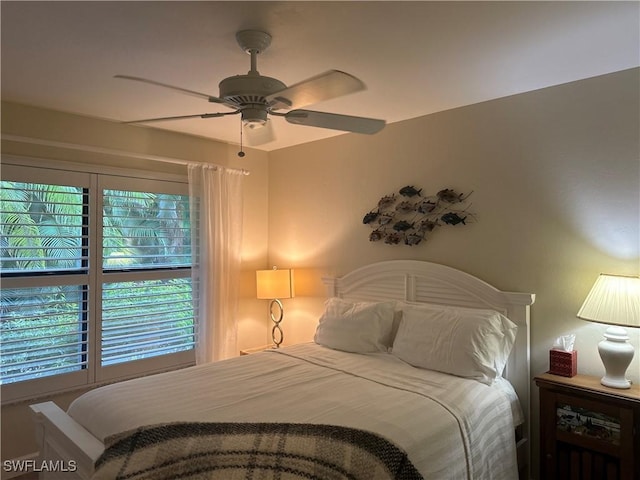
column 451, row 428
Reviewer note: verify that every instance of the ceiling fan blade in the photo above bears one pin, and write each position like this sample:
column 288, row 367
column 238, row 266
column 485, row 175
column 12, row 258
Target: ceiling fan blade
column 209, row 98
column 183, row 117
column 325, row 86
column 259, row 135
column 335, row 121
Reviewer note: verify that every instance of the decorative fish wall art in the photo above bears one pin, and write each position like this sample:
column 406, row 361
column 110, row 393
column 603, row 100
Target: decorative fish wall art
column 409, row 216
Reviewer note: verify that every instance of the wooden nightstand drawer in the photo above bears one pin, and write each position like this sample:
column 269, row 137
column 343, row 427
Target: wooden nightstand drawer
column 588, row 431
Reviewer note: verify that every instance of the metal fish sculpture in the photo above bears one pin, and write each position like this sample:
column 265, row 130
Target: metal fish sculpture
column 370, row 217
column 386, row 201
column 408, row 217
column 385, row 218
column 449, row 196
column 393, row 238
column 413, row 239
column 409, row 191
column 426, row 206
column 375, row 236
column 452, row 219
column 402, row 226
column 427, row 226
column 405, row 207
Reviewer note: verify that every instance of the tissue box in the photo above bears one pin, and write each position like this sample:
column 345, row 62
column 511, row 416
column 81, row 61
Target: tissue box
column 563, row 363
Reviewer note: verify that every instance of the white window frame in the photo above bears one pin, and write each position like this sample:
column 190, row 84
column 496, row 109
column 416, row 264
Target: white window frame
column 95, row 179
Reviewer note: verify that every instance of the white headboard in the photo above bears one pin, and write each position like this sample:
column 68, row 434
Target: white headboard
column 425, row 282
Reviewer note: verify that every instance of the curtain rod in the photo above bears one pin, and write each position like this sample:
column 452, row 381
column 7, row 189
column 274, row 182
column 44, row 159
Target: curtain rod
column 110, row 151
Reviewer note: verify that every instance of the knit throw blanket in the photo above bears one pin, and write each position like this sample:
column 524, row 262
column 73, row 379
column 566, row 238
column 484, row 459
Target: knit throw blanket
column 252, row 451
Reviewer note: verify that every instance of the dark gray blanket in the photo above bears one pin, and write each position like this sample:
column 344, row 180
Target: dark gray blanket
column 252, row 451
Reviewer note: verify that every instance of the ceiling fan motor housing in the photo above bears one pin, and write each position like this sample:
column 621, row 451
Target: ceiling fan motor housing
column 249, row 93
column 247, row 89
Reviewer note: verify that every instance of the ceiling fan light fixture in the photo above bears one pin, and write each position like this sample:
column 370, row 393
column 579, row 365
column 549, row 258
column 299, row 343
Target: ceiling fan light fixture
column 254, row 117
column 253, row 124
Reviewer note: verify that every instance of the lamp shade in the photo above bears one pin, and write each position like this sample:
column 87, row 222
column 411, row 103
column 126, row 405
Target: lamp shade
column 613, row 299
column 274, row 283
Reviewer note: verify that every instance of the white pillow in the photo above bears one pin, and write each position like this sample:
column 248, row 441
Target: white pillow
column 467, row 342
column 363, row 327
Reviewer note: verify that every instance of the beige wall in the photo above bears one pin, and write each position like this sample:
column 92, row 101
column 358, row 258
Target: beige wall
column 556, row 190
column 555, row 177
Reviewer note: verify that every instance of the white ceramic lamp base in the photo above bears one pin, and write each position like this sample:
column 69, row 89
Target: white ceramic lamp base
column 616, row 354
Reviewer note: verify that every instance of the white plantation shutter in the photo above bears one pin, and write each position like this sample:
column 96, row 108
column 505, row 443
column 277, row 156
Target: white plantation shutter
column 146, row 319
column 44, row 255
column 43, row 227
column 145, row 283
column 96, row 279
column 145, row 230
column 44, row 331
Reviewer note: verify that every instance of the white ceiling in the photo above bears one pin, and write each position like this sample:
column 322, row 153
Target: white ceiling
column 415, row 57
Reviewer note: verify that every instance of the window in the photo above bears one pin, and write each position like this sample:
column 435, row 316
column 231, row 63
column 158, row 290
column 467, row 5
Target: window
column 96, row 277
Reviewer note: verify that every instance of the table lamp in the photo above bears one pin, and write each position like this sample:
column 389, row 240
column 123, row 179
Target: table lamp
column 273, row 285
column 614, row 300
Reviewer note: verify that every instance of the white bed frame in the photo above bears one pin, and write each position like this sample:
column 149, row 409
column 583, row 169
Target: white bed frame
column 61, row 439
column 425, row 282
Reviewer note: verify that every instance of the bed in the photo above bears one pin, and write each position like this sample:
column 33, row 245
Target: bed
column 355, row 406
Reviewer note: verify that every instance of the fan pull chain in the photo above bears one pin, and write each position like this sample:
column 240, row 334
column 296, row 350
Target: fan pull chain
column 241, row 153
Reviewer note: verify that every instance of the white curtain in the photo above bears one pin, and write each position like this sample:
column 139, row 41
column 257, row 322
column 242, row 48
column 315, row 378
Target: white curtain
column 216, row 237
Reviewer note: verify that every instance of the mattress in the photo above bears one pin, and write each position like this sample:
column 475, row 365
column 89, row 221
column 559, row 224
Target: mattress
column 450, row 427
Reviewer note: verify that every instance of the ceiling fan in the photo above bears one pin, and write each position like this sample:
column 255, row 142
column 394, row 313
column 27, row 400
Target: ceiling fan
column 256, row 97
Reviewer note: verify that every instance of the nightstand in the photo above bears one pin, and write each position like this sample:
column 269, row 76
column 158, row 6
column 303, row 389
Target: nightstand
column 587, row 430
column 249, row 351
